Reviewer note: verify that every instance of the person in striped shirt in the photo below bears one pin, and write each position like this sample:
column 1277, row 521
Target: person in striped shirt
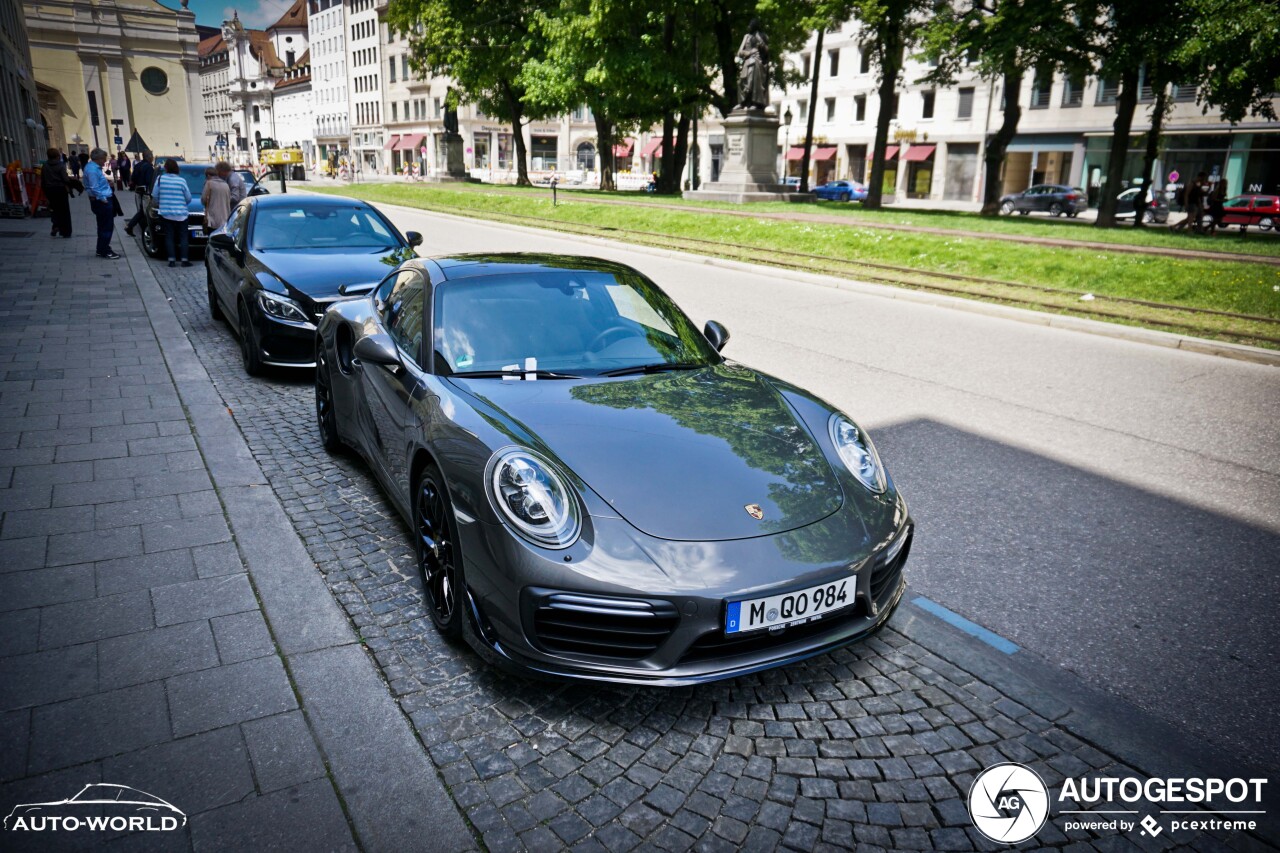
column 172, row 197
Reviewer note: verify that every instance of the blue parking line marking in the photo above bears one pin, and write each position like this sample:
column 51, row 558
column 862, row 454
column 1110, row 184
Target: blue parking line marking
column 992, row 639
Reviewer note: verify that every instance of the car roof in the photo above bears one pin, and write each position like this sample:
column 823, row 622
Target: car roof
column 455, row 267
column 286, row 200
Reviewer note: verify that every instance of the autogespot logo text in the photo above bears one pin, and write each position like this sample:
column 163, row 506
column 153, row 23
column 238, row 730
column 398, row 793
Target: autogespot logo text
column 1008, row 802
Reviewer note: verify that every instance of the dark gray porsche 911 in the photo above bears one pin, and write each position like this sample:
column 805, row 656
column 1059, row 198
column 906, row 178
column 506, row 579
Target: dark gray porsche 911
column 595, row 491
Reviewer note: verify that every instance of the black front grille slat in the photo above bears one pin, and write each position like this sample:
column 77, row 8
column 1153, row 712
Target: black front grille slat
column 613, row 628
column 885, row 573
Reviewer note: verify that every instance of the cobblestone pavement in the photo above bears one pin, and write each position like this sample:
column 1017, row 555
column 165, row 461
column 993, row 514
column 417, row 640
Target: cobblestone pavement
column 873, row 746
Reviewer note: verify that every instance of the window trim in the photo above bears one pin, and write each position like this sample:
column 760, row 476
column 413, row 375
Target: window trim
column 414, row 360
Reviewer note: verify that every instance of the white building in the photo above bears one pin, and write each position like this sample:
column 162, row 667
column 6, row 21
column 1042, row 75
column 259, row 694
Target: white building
column 293, row 100
column 257, row 61
column 214, row 82
column 331, row 128
column 364, row 84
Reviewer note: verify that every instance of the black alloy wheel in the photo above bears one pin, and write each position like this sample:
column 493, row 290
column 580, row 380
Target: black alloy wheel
column 249, row 344
column 149, row 244
column 439, row 561
column 326, row 417
column 215, row 310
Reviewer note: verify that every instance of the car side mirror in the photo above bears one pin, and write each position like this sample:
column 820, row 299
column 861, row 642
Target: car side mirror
column 717, row 334
column 222, row 240
column 377, row 349
column 259, row 189
column 414, row 238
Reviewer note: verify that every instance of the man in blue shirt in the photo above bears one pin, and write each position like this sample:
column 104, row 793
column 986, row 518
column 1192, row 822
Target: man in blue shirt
column 102, row 199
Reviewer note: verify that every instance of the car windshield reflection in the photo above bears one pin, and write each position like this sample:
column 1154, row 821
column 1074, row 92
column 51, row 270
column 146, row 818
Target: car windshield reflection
column 321, row 227
column 581, row 322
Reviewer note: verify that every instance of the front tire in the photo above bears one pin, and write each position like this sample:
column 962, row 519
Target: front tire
column 1266, row 223
column 326, row 416
column 249, row 353
column 149, row 240
column 439, row 558
column 1007, row 208
column 844, row 197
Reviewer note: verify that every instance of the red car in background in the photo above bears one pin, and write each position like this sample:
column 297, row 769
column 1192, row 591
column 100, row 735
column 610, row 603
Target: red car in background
column 1251, row 209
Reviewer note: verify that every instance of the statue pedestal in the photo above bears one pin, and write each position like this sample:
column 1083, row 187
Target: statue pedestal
column 454, row 168
column 751, row 154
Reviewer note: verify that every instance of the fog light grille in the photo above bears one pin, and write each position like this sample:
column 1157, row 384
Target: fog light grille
column 565, row 623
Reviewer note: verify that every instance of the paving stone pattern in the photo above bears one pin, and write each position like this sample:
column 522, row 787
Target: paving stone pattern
column 132, row 649
column 873, row 746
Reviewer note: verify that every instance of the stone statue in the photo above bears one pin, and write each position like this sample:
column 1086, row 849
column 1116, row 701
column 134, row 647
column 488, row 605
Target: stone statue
column 753, row 79
column 450, row 114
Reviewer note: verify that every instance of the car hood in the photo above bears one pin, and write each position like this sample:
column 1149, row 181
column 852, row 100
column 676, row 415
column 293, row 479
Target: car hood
column 318, row 273
column 679, row 455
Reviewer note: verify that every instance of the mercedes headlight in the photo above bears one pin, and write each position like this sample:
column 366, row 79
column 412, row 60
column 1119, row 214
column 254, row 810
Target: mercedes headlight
column 281, row 307
column 534, row 498
column 857, row 452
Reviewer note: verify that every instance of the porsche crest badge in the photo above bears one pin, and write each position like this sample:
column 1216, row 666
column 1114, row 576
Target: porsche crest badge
column 755, row 511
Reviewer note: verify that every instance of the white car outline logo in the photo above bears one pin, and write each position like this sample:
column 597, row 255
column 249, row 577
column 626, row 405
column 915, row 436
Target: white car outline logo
column 152, row 803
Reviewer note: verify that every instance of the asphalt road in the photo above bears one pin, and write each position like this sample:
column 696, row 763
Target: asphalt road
column 1111, row 507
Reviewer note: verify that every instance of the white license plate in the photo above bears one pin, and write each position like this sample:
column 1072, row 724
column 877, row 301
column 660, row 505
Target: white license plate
column 789, row 608
column 197, row 232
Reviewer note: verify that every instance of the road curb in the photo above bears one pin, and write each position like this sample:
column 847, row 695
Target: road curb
column 357, row 724
column 1113, row 725
column 1169, row 340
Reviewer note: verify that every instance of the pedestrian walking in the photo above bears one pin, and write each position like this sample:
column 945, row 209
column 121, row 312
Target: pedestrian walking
column 1194, row 204
column 217, row 198
column 54, row 182
column 172, row 198
column 83, row 157
column 141, row 179
column 1215, row 206
column 73, row 163
column 103, row 201
column 124, row 167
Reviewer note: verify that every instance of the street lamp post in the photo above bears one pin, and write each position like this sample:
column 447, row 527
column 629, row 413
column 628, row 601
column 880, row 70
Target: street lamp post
column 786, row 141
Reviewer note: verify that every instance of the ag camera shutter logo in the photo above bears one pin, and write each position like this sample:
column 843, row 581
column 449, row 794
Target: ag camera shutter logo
column 1008, row 802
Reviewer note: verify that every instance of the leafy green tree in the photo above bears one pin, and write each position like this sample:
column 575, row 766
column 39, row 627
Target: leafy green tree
column 1234, row 50
column 1008, row 40
column 484, row 47
column 825, row 15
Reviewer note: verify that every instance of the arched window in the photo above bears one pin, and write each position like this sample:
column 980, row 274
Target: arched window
column 586, row 156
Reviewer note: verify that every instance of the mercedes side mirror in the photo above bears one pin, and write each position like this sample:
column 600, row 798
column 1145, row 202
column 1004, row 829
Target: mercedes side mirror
column 222, row 240
column 377, row 349
column 414, row 238
column 717, row 334
column 259, row 189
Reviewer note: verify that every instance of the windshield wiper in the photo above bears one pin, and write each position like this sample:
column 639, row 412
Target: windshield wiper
column 658, row 367
column 491, row 374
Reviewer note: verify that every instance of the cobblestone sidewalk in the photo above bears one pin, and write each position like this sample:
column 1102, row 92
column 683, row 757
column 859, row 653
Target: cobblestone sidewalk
column 872, row 747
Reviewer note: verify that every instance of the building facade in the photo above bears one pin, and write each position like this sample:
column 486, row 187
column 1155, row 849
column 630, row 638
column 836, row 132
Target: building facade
column 364, row 85
column 215, row 80
column 23, row 127
column 295, row 110
column 107, row 68
column 331, row 128
column 258, row 60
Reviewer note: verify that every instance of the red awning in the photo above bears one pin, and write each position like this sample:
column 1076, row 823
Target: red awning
column 824, row 152
column 391, row 143
column 653, row 148
column 624, row 148
column 795, row 152
column 918, row 153
column 889, row 153
column 410, row 142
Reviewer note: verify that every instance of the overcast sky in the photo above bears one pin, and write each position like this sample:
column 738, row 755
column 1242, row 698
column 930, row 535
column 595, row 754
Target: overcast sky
column 254, row 14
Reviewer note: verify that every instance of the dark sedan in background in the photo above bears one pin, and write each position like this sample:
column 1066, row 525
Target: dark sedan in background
column 152, row 228
column 281, row 260
column 1157, row 207
column 1053, row 199
column 593, row 490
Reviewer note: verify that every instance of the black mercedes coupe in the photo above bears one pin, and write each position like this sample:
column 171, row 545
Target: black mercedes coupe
column 593, row 490
column 281, row 260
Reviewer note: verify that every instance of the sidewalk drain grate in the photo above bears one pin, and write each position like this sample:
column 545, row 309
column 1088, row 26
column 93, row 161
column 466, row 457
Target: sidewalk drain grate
column 17, row 233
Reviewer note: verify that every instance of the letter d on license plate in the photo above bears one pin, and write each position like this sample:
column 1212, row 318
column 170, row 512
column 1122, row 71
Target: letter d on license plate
column 799, row 606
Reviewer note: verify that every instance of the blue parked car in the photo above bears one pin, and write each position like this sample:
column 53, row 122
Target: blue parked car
column 841, row 191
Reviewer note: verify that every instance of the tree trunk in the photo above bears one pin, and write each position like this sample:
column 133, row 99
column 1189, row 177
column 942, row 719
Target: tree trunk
column 681, row 154
column 813, row 111
column 726, row 55
column 1125, row 106
column 666, row 181
column 516, row 110
column 998, row 143
column 1149, row 158
column 890, row 63
column 604, row 144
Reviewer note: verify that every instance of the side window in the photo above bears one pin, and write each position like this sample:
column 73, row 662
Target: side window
column 402, row 313
column 383, row 290
column 235, row 225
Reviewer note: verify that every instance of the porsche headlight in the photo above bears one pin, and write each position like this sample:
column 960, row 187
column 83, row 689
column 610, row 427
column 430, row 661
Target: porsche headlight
column 281, row 307
column 857, row 452
column 535, row 498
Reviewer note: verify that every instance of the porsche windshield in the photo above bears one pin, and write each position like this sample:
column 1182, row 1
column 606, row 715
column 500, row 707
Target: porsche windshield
column 577, row 322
